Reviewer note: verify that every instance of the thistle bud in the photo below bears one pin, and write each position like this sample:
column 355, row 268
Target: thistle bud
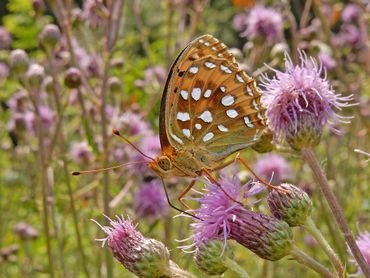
column 35, row 75
column 114, row 84
column 47, row 84
column 72, row 78
column 264, row 145
column 38, row 7
column 142, row 256
column 266, row 236
column 293, row 207
column 209, row 256
column 49, row 36
column 19, row 61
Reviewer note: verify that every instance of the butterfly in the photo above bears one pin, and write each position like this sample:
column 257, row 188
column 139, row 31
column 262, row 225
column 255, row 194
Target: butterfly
column 210, row 109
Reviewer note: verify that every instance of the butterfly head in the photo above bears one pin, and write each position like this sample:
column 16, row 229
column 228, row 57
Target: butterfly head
column 163, row 167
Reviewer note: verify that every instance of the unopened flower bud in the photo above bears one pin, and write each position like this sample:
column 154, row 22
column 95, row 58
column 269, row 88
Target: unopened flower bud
column 35, row 75
column 293, row 206
column 72, row 78
column 266, row 236
column 49, row 36
column 142, row 256
column 19, row 61
column 25, row 231
column 114, row 84
column 38, row 6
column 209, row 256
column 47, row 84
column 264, row 145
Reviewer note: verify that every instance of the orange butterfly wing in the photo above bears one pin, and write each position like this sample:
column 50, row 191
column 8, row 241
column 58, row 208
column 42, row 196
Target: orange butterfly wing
column 209, row 103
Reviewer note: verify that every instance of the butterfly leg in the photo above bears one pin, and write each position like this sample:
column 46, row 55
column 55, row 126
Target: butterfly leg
column 187, row 189
column 173, row 206
column 245, row 164
column 214, row 181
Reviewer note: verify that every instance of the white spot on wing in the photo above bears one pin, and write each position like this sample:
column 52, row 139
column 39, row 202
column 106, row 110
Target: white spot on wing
column 198, row 126
column 222, row 128
column 206, row 116
column 193, row 70
column 249, row 90
column 259, row 116
column 214, row 48
column 196, row 93
column 208, row 136
column 207, row 93
column 225, row 69
column 186, row 132
column 184, row 94
column 232, row 113
column 239, row 78
column 183, row 116
column 223, row 89
column 210, row 65
column 248, row 122
column 227, row 100
column 177, row 139
column 207, row 44
column 255, row 105
column 220, row 55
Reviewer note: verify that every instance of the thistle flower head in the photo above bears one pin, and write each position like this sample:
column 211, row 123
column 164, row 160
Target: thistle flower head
column 49, row 36
column 273, row 167
column 293, row 207
column 25, row 231
column 350, row 12
column 150, row 200
column 217, row 209
column 145, row 257
column 19, row 61
column 260, row 23
column 72, row 78
column 300, row 102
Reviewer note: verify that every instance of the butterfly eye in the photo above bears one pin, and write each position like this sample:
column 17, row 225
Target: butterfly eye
column 165, row 163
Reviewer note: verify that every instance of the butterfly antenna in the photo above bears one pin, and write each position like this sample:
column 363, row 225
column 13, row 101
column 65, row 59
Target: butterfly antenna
column 77, row 173
column 117, row 133
column 173, row 206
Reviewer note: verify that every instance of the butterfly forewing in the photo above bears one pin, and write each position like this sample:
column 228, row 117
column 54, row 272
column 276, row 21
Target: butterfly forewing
column 211, row 104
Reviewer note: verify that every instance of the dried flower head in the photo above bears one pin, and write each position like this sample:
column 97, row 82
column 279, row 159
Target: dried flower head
column 300, row 102
column 293, row 207
column 273, row 167
column 150, row 200
column 144, row 257
column 260, row 23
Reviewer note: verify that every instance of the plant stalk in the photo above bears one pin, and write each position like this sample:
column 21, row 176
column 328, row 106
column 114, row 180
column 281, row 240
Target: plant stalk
column 235, row 267
column 306, row 260
column 310, row 157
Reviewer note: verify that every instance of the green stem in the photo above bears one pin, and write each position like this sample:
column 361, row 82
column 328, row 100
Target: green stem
column 176, row 272
column 63, row 148
column 310, row 157
column 235, row 267
column 315, row 232
column 306, row 260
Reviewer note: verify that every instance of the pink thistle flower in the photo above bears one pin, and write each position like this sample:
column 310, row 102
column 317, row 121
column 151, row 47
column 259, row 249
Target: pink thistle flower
column 135, row 124
column 92, row 13
column 350, row 13
column 25, row 231
column 222, row 218
column 299, row 102
column 152, row 75
column 274, row 167
column 150, row 200
column 217, row 210
column 143, row 256
column 363, row 243
column 81, row 152
column 47, row 118
column 260, row 23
